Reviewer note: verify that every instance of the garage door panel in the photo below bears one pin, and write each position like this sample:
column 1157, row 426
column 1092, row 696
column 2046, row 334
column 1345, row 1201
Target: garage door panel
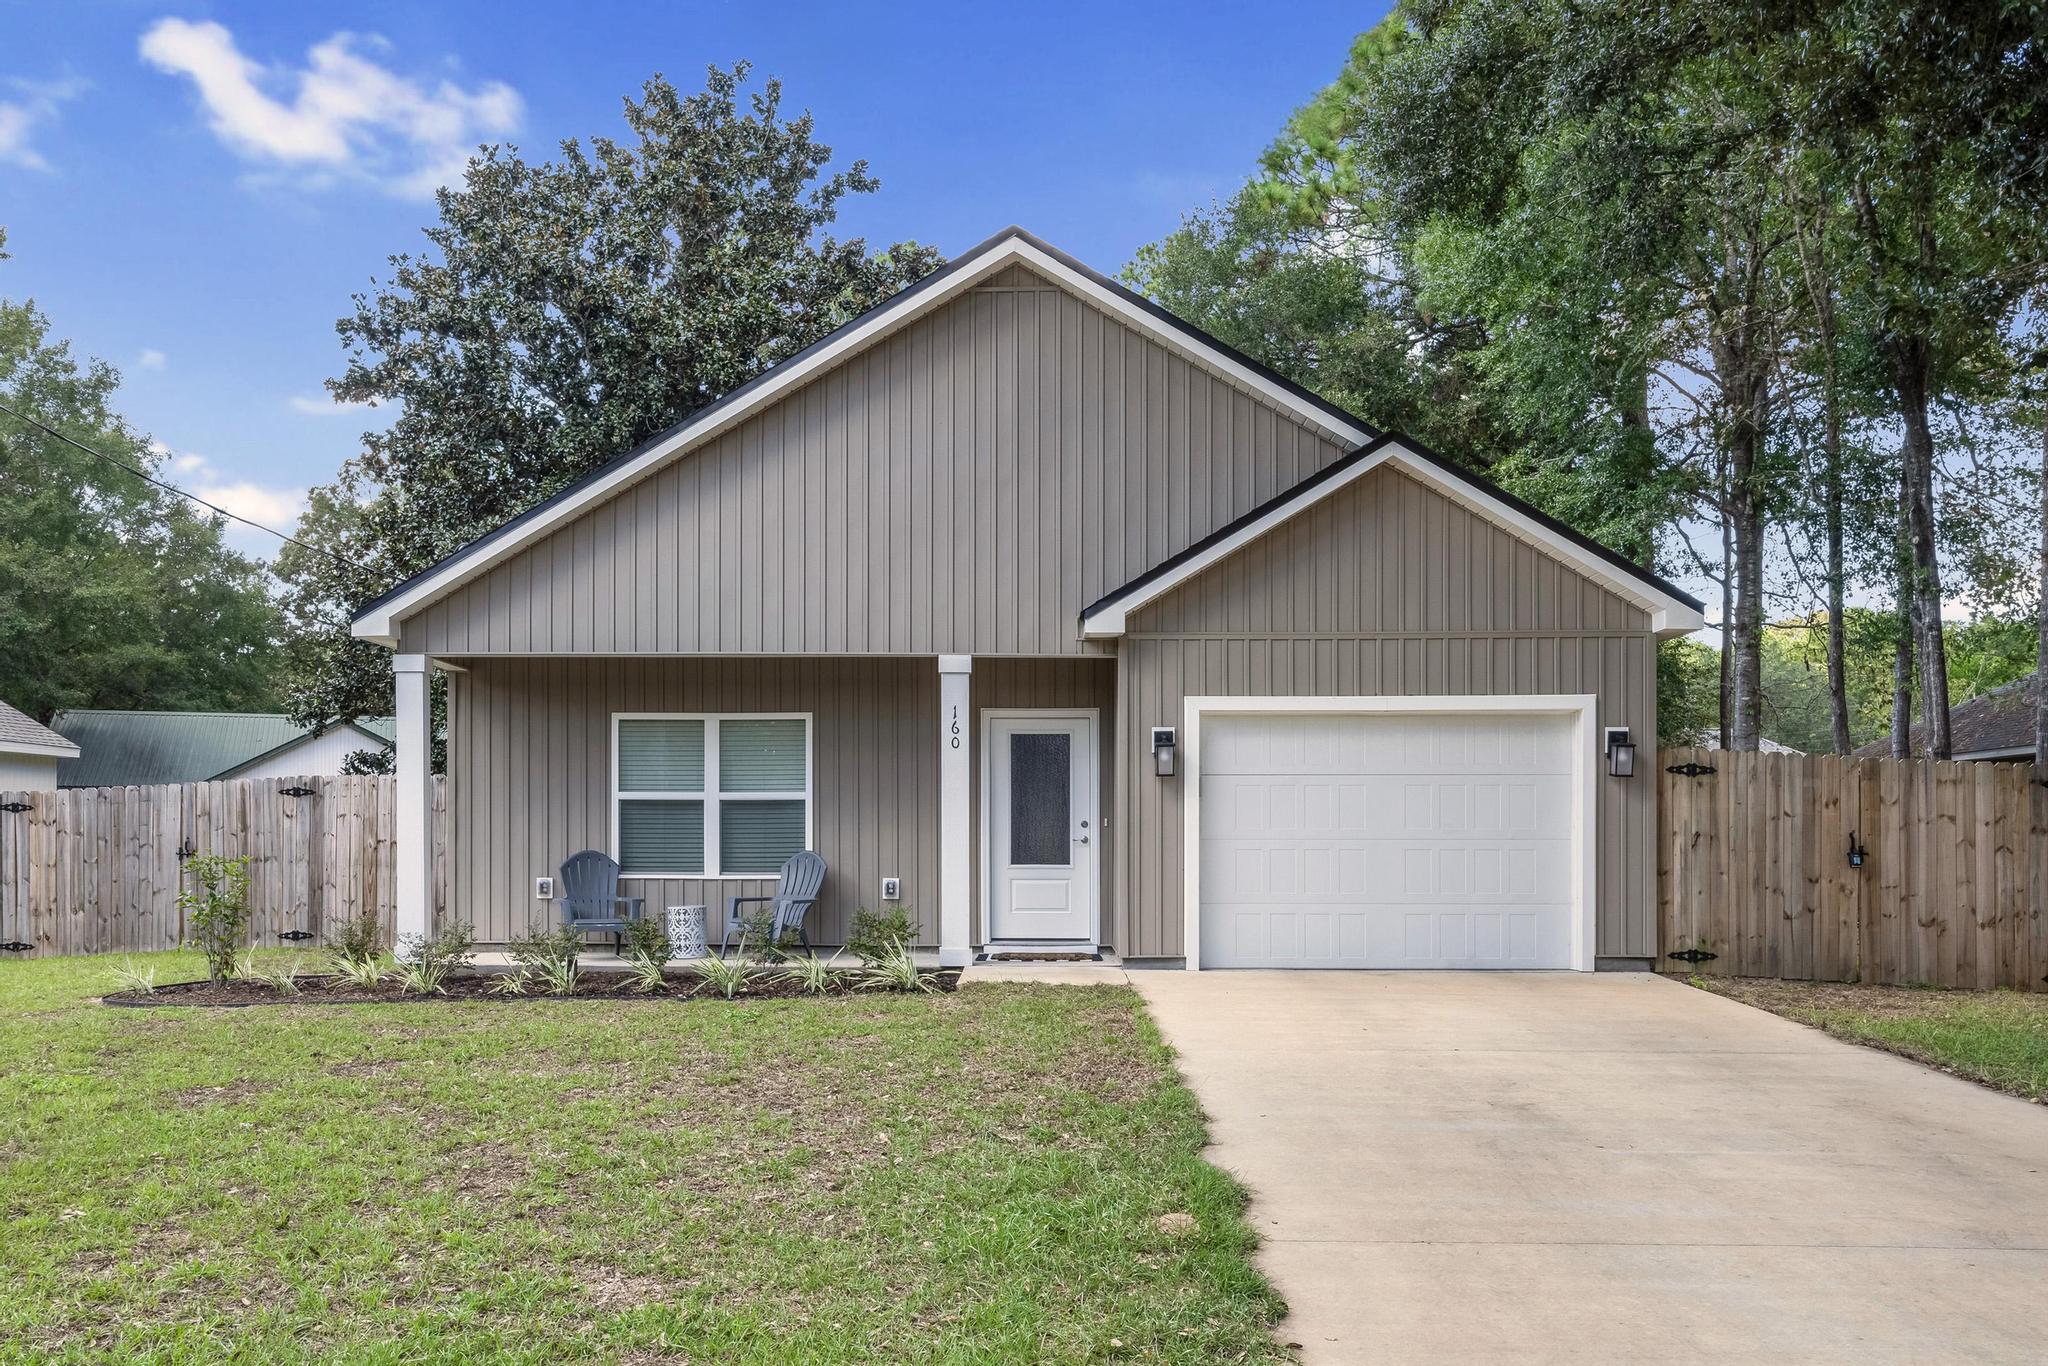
column 1382, row 840
column 1314, row 934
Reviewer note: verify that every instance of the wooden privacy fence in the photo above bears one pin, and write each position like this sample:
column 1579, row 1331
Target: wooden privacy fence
column 1754, row 868
column 97, row 869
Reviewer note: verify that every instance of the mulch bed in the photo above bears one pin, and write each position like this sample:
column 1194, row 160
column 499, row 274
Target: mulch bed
column 591, row 986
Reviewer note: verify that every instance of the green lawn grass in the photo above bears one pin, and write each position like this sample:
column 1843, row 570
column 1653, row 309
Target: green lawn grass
column 1999, row 1038
column 970, row 1177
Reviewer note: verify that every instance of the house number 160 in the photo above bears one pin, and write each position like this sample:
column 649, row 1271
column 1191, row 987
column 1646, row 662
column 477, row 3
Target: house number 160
column 953, row 729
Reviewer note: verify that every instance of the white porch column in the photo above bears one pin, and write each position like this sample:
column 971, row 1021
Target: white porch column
column 956, row 817
column 413, row 822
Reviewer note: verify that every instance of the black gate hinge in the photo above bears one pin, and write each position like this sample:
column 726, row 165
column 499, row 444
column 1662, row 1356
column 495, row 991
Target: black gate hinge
column 1692, row 770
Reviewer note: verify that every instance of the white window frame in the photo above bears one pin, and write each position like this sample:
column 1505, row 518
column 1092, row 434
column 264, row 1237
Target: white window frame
column 710, row 796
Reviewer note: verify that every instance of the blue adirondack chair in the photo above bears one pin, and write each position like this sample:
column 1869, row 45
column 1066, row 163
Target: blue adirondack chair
column 590, row 896
column 795, row 893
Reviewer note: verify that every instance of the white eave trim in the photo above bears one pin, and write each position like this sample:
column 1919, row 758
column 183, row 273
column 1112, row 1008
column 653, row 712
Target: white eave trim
column 1669, row 615
column 62, row 749
column 380, row 623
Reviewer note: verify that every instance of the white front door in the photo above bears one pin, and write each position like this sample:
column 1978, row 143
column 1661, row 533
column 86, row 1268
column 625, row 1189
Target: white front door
column 1043, row 828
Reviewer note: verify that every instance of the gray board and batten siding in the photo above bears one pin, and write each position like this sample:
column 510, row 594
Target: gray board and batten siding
column 963, row 486
column 1387, row 588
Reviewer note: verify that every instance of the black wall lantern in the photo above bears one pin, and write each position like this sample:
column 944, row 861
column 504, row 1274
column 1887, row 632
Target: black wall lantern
column 1621, row 752
column 1162, row 751
column 1857, row 853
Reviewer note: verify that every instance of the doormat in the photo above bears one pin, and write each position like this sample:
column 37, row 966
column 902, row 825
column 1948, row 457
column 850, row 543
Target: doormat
column 1027, row 956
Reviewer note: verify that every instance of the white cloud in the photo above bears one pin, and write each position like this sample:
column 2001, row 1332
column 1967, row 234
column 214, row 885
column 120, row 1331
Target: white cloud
column 24, row 106
column 151, row 359
column 276, row 508
column 347, row 114
column 323, row 405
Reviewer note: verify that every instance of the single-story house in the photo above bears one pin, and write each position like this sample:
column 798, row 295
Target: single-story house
column 1026, row 602
column 146, row 748
column 29, row 752
column 1995, row 726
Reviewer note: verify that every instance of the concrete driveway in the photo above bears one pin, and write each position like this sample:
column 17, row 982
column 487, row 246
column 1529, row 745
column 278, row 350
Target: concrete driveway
column 1612, row 1167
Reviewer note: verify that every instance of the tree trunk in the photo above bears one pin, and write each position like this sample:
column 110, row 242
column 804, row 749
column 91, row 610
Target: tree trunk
column 2041, row 649
column 1722, row 709
column 1838, row 642
column 1902, row 664
column 1746, row 622
column 1912, row 362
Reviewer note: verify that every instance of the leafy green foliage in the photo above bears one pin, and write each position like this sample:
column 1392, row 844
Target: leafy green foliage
column 129, row 977
column 817, row 976
column 876, row 935
column 896, row 971
column 565, row 312
column 725, row 976
column 214, row 902
column 114, row 593
column 361, row 939
column 1688, row 692
column 426, row 962
column 646, row 941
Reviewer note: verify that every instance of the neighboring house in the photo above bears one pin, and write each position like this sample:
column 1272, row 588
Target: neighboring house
column 29, row 752
column 943, row 595
column 145, row 748
column 1996, row 725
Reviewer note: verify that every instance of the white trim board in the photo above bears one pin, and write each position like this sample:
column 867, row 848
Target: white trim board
column 380, row 623
column 1669, row 615
column 1585, row 772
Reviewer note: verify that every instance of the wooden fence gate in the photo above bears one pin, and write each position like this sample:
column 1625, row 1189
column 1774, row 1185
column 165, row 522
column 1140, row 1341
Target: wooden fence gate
column 1756, row 875
column 97, row 869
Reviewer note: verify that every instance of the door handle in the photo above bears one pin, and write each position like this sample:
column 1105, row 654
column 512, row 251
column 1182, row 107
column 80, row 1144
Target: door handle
column 1080, row 839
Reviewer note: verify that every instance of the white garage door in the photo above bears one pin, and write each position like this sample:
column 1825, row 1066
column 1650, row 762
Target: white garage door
column 1383, row 840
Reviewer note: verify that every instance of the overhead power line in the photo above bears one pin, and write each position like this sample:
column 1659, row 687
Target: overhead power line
column 149, row 478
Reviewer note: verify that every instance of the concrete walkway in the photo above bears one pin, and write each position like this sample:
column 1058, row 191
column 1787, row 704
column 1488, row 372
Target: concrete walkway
column 1590, row 1168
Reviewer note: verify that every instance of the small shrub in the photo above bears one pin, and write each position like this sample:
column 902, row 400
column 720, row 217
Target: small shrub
column 647, row 974
column 128, row 977
column 725, row 975
column 285, row 978
column 760, row 928
column 426, row 962
column 815, row 975
column 896, row 972
column 361, row 940
column 421, row 976
column 647, row 939
column 244, row 966
column 217, row 909
column 560, row 976
column 543, row 951
column 880, row 935
column 513, row 982
column 366, row 973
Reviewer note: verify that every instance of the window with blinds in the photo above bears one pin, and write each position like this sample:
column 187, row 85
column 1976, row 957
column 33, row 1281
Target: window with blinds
column 710, row 795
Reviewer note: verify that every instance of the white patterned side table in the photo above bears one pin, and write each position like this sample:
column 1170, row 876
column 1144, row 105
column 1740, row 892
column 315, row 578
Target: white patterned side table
column 686, row 932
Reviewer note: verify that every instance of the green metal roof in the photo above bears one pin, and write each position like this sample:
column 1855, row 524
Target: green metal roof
column 145, row 748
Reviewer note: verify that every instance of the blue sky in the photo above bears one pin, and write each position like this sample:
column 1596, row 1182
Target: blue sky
column 193, row 191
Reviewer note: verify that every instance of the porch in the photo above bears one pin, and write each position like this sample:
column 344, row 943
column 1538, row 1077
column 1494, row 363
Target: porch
column 895, row 770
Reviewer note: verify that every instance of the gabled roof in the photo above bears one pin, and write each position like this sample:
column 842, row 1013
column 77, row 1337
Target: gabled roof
column 1672, row 611
column 22, row 734
column 1998, row 724
column 378, row 620
column 146, row 748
